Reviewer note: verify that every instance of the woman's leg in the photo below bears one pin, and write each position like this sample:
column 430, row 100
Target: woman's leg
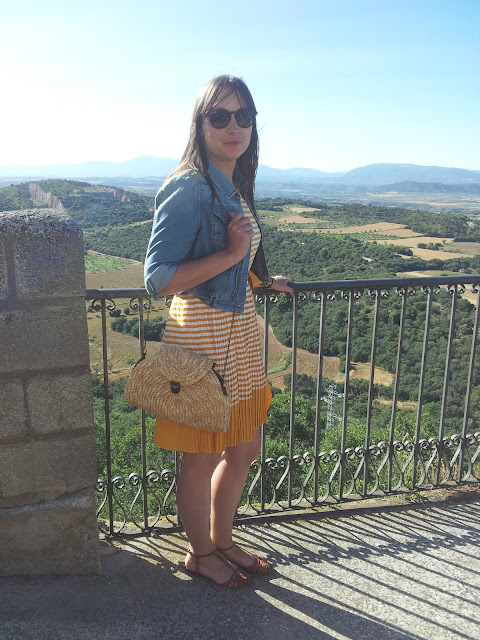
column 194, row 497
column 228, row 481
column 194, row 503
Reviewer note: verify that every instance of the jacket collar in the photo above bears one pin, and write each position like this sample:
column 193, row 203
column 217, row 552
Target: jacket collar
column 221, row 182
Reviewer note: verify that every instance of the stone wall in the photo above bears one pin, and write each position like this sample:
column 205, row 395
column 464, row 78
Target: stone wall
column 47, row 440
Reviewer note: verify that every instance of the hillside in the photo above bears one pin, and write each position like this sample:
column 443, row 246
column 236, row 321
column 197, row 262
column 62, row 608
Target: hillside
column 90, row 205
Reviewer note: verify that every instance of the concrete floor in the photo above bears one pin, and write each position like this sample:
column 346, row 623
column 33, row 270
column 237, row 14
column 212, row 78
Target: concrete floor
column 407, row 572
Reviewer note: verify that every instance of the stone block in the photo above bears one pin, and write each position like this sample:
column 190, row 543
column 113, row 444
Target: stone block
column 12, row 410
column 46, row 469
column 48, row 253
column 3, row 268
column 58, row 537
column 50, row 404
column 17, row 478
column 45, row 338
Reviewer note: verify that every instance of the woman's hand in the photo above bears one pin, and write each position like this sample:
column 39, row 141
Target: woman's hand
column 191, row 274
column 281, row 283
column 239, row 234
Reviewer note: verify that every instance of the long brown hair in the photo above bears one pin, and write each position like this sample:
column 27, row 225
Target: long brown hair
column 195, row 156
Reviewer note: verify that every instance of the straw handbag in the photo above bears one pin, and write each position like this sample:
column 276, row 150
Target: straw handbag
column 182, row 386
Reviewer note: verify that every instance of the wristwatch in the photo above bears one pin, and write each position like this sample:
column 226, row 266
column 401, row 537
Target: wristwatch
column 272, row 282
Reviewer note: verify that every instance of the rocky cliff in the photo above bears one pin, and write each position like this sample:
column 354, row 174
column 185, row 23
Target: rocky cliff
column 39, row 196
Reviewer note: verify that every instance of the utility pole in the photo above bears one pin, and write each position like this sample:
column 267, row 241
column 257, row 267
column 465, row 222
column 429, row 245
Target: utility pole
column 332, row 415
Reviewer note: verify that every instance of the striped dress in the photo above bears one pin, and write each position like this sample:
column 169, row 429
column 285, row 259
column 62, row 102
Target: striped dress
column 203, row 329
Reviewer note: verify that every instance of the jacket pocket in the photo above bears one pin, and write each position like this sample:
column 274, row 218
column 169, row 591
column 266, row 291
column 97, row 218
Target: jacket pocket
column 220, row 221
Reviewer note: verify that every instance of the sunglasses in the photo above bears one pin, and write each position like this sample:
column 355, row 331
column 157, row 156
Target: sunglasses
column 220, row 118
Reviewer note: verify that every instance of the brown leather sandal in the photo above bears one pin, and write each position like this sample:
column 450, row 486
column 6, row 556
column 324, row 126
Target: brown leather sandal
column 258, row 566
column 236, row 581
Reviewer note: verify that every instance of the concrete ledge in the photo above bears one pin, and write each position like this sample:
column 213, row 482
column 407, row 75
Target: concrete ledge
column 454, row 493
column 47, row 253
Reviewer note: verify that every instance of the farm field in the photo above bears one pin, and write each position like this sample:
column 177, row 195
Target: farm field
column 446, row 202
column 428, row 254
column 455, row 203
column 300, row 209
column 109, row 272
column 472, row 248
column 381, row 232
column 382, row 228
column 291, row 218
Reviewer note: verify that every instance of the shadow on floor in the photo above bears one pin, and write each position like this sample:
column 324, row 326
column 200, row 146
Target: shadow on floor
column 408, row 574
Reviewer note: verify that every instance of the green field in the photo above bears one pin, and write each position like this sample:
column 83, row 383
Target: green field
column 101, row 263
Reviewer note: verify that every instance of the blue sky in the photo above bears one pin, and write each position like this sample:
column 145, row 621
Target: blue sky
column 338, row 83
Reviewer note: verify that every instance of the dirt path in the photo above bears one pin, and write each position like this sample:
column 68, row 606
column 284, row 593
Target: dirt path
column 373, row 227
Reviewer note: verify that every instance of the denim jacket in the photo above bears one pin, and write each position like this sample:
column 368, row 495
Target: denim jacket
column 187, row 227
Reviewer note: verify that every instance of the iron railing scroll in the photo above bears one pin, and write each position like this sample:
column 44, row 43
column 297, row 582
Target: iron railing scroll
column 142, row 501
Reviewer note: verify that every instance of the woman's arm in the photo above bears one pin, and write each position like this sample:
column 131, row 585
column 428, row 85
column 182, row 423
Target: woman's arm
column 190, row 274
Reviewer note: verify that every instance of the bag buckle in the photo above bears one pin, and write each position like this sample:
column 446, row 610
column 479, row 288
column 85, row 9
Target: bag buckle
column 174, row 387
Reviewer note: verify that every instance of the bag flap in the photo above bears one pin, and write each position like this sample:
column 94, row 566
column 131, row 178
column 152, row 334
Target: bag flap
column 181, row 365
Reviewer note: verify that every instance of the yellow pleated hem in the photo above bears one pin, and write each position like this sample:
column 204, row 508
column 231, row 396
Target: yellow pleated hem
column 246, row 416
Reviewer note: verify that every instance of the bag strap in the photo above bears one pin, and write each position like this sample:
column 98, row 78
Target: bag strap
column 144, row 344
column 231, row 329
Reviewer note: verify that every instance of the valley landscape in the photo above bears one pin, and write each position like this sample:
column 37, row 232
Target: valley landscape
column 104, row 271
column 333, row 235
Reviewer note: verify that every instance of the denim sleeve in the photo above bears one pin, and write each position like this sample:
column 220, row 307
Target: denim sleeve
column 175, row 227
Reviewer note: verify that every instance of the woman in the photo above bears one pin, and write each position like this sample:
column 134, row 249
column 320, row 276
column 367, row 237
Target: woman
column 206, row 250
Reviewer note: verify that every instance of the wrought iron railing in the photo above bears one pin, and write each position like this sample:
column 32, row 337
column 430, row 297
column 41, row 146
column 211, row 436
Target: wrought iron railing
column 405, row 460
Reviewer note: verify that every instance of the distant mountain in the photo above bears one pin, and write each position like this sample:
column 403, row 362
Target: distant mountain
column 269, row 173
column 409, row 186
column 143, row 166
column 379, row 174
column 371, row 175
